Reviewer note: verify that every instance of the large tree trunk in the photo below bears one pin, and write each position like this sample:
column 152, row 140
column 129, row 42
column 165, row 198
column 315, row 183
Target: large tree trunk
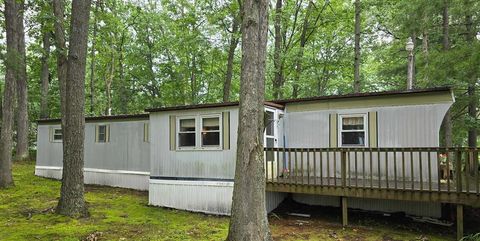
column 249, row 216
column 277, row 53
column 45, row 76
column 6, row 132
column 472, row 98
column 72, row 202
column 447, row 121
column 231, row 58
column 21, row 151
column 356, row 74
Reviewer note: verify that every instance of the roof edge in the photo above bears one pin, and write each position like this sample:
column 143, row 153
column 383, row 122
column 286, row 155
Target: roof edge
column 98, row 118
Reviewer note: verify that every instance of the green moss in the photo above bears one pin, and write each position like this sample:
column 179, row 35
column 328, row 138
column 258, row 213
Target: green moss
column 26, row 213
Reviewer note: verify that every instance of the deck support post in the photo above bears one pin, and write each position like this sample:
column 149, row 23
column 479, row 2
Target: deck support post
column 459, row 221
column 344, row 211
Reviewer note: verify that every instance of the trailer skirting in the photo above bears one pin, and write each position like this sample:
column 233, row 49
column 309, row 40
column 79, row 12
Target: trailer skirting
column 115, row 178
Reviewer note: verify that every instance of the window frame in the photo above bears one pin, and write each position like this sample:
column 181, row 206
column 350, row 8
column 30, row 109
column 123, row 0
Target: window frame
column 220, row 130
column 178, row 132
column 53, row 134
column 365, row 129
column 97, row 133
column 198, row 132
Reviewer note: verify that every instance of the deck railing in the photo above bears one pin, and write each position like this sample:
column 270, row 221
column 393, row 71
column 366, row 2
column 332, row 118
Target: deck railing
column 443, row 170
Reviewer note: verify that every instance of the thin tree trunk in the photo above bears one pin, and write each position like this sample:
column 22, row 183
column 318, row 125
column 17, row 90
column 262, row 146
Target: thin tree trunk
column 356, row 75
column 249, row 216
column 108, row 86
column 277, row 53
column 299, row 59
column 6, row 132
column 21, row 151
column 92, row 59
column 193, row 81
column 231, row 57
column 472, row 98
column 124, row 93
column 45, row 76
column 72, row 202
column 61, row 54
column 425, row 50
column 447, row 121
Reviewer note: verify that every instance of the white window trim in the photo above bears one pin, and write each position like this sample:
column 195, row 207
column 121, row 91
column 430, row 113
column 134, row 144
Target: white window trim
column 220, row 130
column 53, row 134
column 198, row 132
column 177, row 132
column 340, row 128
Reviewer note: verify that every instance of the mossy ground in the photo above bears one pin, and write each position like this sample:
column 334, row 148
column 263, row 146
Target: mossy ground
column 26, row 213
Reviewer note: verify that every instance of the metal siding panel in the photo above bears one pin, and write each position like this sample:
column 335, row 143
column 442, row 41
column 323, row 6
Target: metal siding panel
column 191, row 163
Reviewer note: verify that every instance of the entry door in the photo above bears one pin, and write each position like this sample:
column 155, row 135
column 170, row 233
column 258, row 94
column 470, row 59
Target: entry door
column 271, row 140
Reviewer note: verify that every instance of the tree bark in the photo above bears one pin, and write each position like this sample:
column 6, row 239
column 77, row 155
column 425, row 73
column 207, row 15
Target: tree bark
column 21, row 150
column 277, row 53
column 72, row 202
column 92, row 59
column 231, row 57
column 61, row 54
column 447, row 121
column 6, row 132
column 45, row 76
column 356, row 74
column 249, row 217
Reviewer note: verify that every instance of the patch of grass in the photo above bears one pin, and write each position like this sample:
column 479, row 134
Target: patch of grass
column 26, row 213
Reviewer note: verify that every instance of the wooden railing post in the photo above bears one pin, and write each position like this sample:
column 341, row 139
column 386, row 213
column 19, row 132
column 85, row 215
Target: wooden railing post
column 344, row 168
column 458, row 169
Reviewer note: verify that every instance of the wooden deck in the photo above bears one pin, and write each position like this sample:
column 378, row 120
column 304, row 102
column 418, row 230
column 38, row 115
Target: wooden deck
column 409, row 174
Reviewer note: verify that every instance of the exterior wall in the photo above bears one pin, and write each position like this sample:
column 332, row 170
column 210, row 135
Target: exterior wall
column 122, row 162
column 398, row 126
column 213, row 164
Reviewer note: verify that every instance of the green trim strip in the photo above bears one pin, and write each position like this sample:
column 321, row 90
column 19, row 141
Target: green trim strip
column 333, row 127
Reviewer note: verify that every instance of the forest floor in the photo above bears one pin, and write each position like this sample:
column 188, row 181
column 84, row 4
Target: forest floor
column 26, row 213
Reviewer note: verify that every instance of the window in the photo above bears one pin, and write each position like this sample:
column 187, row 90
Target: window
column 353, row 130
column 210, row 131
column 269, row 123
column 57, row 135
column 186, row 133
column 103, row 133
column 199, row 132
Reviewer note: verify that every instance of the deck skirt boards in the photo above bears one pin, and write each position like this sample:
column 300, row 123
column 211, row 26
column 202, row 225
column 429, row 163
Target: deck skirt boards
column 114, row 178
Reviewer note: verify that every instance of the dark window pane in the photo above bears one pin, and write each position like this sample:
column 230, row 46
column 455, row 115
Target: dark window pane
column 102, row 133
column 269, row 123
column 353, row 138
column 57, row 135
column 352, row 123
column 211, row 124
column 186, row 139
column 210, row 138
column 187, row 125
column 270, row 154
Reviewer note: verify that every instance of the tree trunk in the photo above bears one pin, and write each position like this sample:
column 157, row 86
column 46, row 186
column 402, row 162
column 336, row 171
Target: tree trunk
column 61, row 54
column 6, row 132
column 356, row 75
column 193, row 81
column 108, row 86
column 249, row 217
column 124, row 93
column 92, row 59
column 425, row 50
column 299, row 59
column 231, row 58
column 472, row 98
column 277, row 53
column 21, row 151
column 72, row 202
column 447, row 121
column 45, row 76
